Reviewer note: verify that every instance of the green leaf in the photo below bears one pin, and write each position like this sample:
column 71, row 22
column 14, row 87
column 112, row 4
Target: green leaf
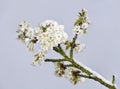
column 78, row 21
column 68, row 44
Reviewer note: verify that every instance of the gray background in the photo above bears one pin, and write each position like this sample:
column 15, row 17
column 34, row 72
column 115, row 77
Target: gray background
column 103, row 42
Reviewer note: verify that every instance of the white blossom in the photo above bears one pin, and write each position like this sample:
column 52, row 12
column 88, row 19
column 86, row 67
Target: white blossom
column 29, row 44
column 24, row 25
column 73, row 76
column 77, row 30
column 22, row 30
column 59, row 69
column 28, row 35
column 84, row 26
column 82, row 23
column 39, row 58
column 50, row 23
column 79, row 47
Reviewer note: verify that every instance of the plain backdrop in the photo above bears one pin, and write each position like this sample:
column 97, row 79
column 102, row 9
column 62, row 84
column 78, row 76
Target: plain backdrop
column 102, row 52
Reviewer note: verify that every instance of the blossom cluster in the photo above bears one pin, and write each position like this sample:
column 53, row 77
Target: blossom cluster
column 81, row 23
column 72, row 74
column 28, row 35
column 52, row 34
column 48, row 34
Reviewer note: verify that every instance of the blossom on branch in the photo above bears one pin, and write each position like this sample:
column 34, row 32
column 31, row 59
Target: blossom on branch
column 49, row 35
column 73, row 75
column 39, row 58
column 81, row 23
column 79, row 47
column 59, row 69
column 27, row 35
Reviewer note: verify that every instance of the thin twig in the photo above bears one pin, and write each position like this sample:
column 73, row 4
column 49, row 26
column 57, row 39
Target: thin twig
column 54, row 60
column 98, row 80
column 72, row 45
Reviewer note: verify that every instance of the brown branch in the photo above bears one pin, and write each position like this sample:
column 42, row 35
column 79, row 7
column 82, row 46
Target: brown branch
column 72, row 45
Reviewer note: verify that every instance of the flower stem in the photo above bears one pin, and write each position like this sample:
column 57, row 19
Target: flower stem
column 72, row 45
